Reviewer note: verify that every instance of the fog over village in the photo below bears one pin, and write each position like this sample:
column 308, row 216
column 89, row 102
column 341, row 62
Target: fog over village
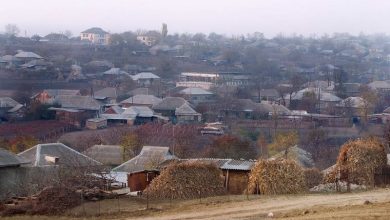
column 195, row 109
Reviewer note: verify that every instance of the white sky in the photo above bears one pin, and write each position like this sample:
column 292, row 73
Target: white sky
column 229, row 17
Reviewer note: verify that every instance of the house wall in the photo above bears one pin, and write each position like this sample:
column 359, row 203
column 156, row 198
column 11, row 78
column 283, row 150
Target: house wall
column 96, row 125
column 23, row 181
column 96, row 38
column 236, row 181
column 188, row 118
column 77, row 119
column 139, row 181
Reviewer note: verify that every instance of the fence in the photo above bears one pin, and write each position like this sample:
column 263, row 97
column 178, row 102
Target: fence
column 125, row 204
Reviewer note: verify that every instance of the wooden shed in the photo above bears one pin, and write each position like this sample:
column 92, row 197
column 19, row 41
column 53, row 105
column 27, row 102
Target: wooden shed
column 236, row 173
column 138, row 181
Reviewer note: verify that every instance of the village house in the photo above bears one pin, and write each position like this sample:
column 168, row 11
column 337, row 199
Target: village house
column 76, row 110
column 185, row 115
column 96, row 35
column 146, row 79
column 353, row 107
column 10, row 109
column 26, row 57
column 324, row 101
column 48, row 96
column 133, row 115
column 143, row 168
column 382, row 87
column 11, row 174
column 114, row 72
column 197, row 79
column 177, row 110
column 141, row 100
column 197, row 95
column 247, row 109
column 9, row 61
column 106, row 95
column 147, row 40
column 36, row 65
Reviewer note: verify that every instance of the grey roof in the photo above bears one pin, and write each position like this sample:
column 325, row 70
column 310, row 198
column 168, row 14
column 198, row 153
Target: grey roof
column 117, row 109
column 24, row 54
column 41, row 154
column 224, row 164
column 142, row 100
column 170, row 103
column 379, row 85
column 78, row 102
column 108, row 92
column 352, row 102
column 9, row 58
column 387, row 110
column 149, row 159
column 249, row 105
column 244, row 165
column 185, row 109
column 7, row 102
column 106, row 154
column 324, row 96
column 34, row 63
column 100, row 63
column 195, row 91
column 145, row 75
column 114, row 71
column 8, row 159
column 139, row 111
column 95, row 30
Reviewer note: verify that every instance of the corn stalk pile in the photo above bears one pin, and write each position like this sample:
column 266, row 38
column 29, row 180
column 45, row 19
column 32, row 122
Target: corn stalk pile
column 358, row 161
column 278, row 176
column 313, row 177
column 187, row 180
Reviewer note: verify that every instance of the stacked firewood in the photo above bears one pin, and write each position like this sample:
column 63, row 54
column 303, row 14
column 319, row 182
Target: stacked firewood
column 313, row 177
column 358, row 161
column 187, row 180
column 278, row 176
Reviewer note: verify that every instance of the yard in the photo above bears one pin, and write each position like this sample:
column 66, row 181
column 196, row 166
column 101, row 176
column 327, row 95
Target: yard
column 304, row 206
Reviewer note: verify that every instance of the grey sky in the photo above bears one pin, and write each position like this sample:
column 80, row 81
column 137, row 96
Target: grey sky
column 222, row 16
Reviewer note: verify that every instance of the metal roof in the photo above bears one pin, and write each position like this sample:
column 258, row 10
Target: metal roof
column 95, row 30
column 66, row 155
column 9, row 159
column 149, row 159
column 145, row 75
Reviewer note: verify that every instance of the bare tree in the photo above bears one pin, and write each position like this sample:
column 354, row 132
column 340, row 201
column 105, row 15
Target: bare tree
column 12, row 30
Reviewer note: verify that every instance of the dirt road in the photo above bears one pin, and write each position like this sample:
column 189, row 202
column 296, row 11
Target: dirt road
column 312, row 206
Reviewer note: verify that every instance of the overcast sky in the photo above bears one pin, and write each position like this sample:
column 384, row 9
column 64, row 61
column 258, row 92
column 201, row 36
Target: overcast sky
column 230, row 17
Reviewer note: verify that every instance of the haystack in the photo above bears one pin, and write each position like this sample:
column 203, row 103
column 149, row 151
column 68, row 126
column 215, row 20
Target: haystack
column 358, row 161
column 278, row 176
column 313, row 177
column 187, row 180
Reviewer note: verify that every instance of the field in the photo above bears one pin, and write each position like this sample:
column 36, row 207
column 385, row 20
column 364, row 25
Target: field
column 305, row 206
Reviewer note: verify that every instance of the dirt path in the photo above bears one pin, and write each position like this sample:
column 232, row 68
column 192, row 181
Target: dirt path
column 279, row 205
